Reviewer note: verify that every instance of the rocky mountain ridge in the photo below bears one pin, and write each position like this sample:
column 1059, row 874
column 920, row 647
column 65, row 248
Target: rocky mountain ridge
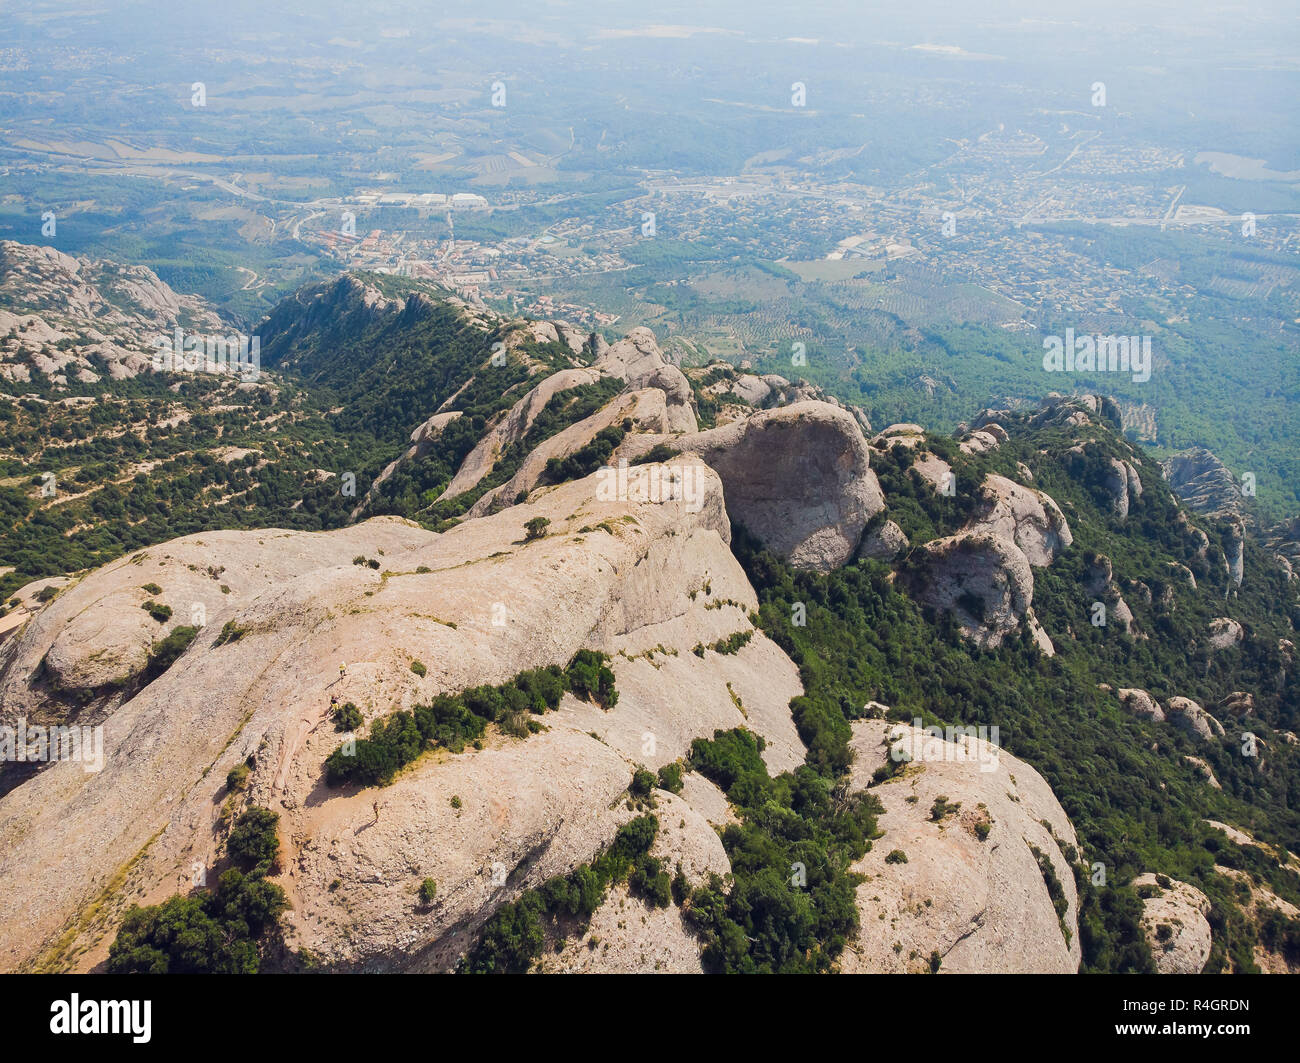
column 66, row 319
column 588, row 503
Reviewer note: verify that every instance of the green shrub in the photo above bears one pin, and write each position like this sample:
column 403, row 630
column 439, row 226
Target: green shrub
column 516, row 933
column 942, row 807
column 347, row 717
column 659, row 452
column 237, row 777
column 164, row 652
column 419, row 669
column 428, row 890
column 151, row 588
column 670, row 777
column 161, row 613
column 536, row 528
column 218, row 933
column 222, row 932
column 587, row 459
column 230, row 632
column 453, row 721
column 253, row 843
column 643, row 781
column 651, row 883
column 591, row 679
column 896, row 856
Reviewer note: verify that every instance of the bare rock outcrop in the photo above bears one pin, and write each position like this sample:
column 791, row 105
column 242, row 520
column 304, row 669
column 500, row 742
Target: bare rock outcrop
column 512, row 428
column 1192, row 720
column 1225, row 633
column 1204, row 483
column 637, row 359
column 1235, row 554
column 1028, row 518
column 885, row 542
column 1124, row 487
column 1198, row 538
column 1074, row 411
column 1238, row 703
column 983, row 575
column 974, row 848
column 70, row 319
column 797, row 477
column 636, row 578
column 1175, row 923
column 1099, row 574
column 1204, row 770
column 1141, row 704
column 647, row 408
column 1098, row 583
column 984, row 580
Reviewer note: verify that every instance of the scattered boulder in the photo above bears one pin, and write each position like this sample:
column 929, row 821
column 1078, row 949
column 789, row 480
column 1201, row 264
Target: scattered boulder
column 1204, row 769
column 764, row 392
column 899, row 435
column 1140, row 703
column 1238, row 703
column 1066, row 411
column 1175, row 923
column 1225, row 633
column 885, row 542
column 1192, row 720
column 986, row 417
column 981, row 440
